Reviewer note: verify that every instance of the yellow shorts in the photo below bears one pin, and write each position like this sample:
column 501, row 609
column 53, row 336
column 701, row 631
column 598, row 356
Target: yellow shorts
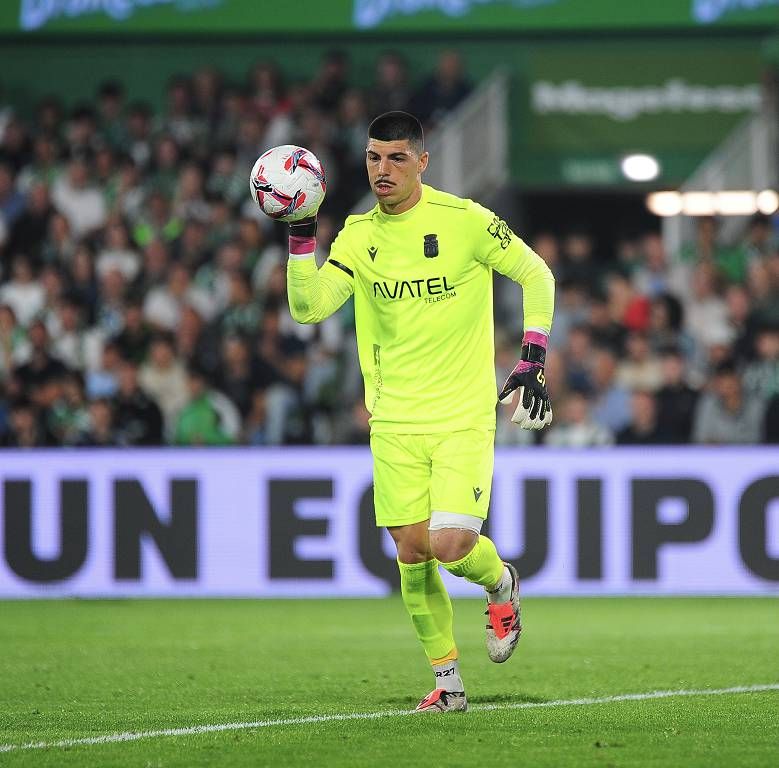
column 444, row 472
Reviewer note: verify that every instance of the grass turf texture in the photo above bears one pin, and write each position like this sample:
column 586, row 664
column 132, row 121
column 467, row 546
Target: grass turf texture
column 75, row 669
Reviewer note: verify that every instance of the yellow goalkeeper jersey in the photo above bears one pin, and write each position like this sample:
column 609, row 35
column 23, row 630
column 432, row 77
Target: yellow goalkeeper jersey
column 422, row 285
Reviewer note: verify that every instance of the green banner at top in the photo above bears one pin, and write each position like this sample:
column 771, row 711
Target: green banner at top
column 344, row 16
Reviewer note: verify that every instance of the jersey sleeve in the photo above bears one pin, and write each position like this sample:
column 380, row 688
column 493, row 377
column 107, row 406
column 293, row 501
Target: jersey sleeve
column 314, row 294
column 498, row 247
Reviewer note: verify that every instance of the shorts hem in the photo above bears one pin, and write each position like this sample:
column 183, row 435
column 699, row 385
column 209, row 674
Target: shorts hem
column 386, row 523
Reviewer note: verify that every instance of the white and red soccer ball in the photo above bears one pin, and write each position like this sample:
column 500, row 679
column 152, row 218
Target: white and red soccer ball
column 288, row 183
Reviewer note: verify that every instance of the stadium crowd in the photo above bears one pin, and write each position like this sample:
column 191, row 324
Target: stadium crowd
column 142, row 293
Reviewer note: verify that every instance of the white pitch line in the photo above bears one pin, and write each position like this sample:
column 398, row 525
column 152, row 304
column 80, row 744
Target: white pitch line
column 113, row 738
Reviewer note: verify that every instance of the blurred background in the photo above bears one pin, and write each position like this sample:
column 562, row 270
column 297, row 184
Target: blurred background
column 142, row 293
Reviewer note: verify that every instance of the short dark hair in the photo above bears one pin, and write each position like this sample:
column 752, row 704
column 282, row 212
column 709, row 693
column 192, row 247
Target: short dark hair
column 397, row 126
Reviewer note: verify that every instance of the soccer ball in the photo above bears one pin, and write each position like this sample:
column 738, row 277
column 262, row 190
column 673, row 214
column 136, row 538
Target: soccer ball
column 288, row 183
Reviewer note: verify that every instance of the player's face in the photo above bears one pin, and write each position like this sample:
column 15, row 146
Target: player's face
column 395, row 173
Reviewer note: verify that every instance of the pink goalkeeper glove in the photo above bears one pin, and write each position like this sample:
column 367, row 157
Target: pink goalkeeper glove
column 533, row 410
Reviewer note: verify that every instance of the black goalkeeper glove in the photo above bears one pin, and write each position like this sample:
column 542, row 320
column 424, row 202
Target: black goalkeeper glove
column 534, row 411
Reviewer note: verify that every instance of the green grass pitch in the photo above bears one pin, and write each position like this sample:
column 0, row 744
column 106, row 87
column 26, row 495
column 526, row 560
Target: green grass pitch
column 78, row 669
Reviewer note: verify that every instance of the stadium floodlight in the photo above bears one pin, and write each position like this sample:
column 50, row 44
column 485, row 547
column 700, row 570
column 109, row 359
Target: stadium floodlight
column 733, row 202
column 699, row 204
column 736, row 203
column 665, row 203
column 640, row 167
column 767, row 202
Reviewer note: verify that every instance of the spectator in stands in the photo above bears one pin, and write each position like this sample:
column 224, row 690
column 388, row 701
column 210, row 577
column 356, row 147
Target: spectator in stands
column 103, row 381
column 69, row 418
column 740, row 320
column 578, row 262
column 138, row 418
column 25, row 429
column 38, row 363
column 59, row 244
column 236, row 376
column 208, row 418
column 724, row 415
column 644, row 428
column 29, row 232
column 23, row 293
column 767, row 304
column 605, row 332
column 117, row 253
column 226, row 178
column 288, row 419
column 139, row 131
column 179, row 122
column 163, row 377
column 761, row 376
column 627, row 307
column 81, row 134
column 771, row 424
column 576, row 427
column 611, row 402
column 113, row 291
column 443, row 91
column 74, row 196
column 101, row 432
column 76, row 344
column 13, row 341
column 135, row 337
column 570, row 310
column 110, row 109
column 578, row 358
column 651, row 277
column 706, row 314
column 12, row 201
column 44, row 166
column 164, row 304
column 390, row 89
column 641, row 369
column 331, row 81
column 84, row 286
column 759, row 241
column 729, row 263
column 676, row 399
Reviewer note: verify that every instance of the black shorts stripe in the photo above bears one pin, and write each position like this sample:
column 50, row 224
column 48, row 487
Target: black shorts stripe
column 341, row 266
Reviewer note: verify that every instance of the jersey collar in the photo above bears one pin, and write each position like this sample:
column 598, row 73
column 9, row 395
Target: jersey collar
column 406, row 215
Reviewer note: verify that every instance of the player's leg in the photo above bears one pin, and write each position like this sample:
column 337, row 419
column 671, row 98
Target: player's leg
column 402, row 502
column 460, row 493
column 430, row 609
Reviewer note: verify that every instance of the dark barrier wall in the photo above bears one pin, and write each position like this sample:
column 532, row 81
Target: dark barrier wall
column 300, row 521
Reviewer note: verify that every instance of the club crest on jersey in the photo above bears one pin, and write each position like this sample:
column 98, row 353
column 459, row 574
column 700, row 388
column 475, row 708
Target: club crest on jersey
column 431, row 246
column 372, row 251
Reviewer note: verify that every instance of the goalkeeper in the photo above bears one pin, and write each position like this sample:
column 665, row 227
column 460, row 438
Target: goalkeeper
column 420, row 267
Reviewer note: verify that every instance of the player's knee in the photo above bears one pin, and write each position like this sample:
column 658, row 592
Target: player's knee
column 411, row 553
column 412, row 542
column 451, row 544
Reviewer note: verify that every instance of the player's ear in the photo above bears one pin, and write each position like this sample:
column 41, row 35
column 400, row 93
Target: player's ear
column 423, row 158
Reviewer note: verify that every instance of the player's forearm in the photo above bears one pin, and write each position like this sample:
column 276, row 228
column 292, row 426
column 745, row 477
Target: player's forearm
column 538, row 285
column 312, row 295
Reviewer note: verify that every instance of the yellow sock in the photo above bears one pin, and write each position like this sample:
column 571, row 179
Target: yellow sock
column 482, row 565
column 428, row 604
